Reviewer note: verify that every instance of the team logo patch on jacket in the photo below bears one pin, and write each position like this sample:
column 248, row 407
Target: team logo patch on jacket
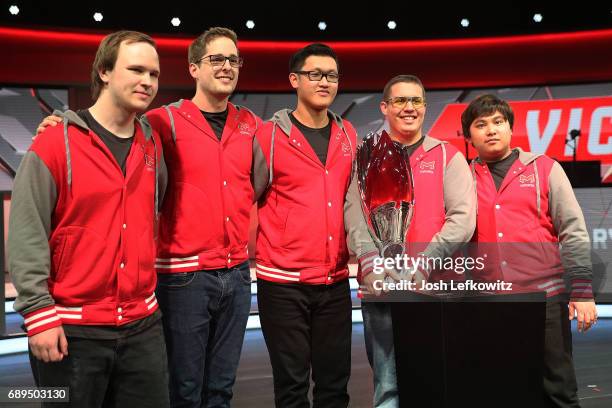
column 427, row 167
column 148, row 159
column 527, row 181
column 346, row 149
column 244, row 128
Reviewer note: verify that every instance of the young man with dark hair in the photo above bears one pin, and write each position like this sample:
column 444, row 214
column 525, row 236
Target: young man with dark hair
column 526, row 210
column 443, row 219
column 204, row 282
column 82, row 239
column 305, row 158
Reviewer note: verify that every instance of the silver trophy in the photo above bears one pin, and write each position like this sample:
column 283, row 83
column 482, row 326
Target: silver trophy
column 386, row 188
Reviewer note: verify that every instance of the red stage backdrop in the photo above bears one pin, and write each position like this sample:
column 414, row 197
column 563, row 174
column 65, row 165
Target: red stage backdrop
column 544, row 126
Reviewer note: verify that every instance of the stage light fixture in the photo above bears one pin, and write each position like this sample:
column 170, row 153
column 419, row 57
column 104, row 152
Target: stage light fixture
column 250, row 24
column 322, row 25
column 392, row 25
column 465, row 22
column 175, row 21
column 98, row 16
column 14, row 10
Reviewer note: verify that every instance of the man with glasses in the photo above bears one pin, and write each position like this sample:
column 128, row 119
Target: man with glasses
column 305, row 157
column 204, row 282
column 443, row 219
column 204, row 287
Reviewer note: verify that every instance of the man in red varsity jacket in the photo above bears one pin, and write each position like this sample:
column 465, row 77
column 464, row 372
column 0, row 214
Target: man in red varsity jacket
column 204, row 287
column 443, row 219
column 526, row 208
column 305, row 156
column 81, row 239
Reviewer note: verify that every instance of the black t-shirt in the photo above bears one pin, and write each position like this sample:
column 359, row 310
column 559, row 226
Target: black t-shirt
column 409, row 149
column 499, row 169
column 318, row 138
column 118, row 146
column 216, row 120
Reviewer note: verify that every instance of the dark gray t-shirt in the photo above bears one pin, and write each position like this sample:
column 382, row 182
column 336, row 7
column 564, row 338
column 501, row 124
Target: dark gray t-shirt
column 409, row 149
column 318, row 138
column 216, row 120
column 499, row 169
column 118, row 146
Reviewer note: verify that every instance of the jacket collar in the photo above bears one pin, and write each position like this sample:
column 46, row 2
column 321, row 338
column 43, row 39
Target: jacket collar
column 524, row 157
column 282, row 120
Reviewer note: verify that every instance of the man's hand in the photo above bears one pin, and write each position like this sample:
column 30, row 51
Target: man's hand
column 50, row 120
column 585, row 312
column 372, row 277
column 50, row 345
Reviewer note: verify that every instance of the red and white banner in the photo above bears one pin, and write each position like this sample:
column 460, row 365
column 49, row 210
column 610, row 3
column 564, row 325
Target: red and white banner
column 544, row 127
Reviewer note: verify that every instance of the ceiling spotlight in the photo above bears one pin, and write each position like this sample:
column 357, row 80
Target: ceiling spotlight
column 391, row 24
column 322, row 25
column 175, row 21
column 537, row 17
column 98, row 16
column 14, row 10
column 250, row 24
column 465, row 22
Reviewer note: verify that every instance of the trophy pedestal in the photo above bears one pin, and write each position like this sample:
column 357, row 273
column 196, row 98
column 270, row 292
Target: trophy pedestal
column 469, row 350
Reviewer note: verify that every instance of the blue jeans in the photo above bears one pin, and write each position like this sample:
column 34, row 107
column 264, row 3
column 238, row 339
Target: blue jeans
column 204, row 317
column 378, row 332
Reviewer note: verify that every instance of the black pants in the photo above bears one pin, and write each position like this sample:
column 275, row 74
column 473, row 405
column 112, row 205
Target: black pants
column 559, row 376
column 307, row 326
column 128, row 372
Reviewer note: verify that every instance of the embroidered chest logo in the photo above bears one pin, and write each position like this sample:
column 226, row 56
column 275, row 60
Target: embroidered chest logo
column 244, row 128
column 427, row 167
column 346, row 149
column 527, row 181
column 148, row 159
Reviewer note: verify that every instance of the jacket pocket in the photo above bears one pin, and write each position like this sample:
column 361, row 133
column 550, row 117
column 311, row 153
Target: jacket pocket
column 146, row 262
column 304, row 239
column 58, row 245
column 86, row 267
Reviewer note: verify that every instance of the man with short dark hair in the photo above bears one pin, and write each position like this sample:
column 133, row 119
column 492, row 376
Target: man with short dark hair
column 303, row 294
column 82, row 239
column 443, row 220
column 526, row 210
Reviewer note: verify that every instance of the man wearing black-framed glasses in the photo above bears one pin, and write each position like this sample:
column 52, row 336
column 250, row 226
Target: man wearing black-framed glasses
column 217, row 61
column 203, row 269
column 316, row 76
column 303, row 294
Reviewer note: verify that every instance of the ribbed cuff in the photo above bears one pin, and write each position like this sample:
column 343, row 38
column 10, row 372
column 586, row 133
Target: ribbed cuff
column 366, row 264
column 581, row 289
column 41, row 319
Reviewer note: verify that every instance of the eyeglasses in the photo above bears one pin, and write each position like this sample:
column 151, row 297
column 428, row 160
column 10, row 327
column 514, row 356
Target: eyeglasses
column 318, row 75
column 218, row 60
column 400, row 102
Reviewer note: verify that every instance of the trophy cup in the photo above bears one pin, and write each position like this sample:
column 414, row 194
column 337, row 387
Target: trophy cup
column 387, row 191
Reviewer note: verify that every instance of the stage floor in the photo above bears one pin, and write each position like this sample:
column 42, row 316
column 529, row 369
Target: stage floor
column 253, row 389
